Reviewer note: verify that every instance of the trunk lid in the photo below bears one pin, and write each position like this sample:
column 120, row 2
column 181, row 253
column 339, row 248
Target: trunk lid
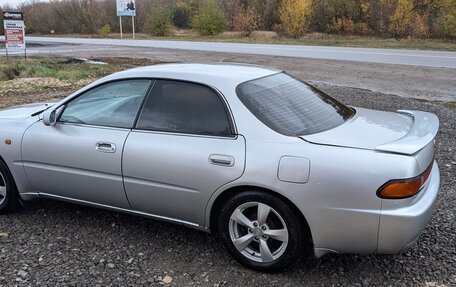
column 404, row 132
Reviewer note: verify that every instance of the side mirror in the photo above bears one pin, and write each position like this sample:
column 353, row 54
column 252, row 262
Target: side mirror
column 50, row 117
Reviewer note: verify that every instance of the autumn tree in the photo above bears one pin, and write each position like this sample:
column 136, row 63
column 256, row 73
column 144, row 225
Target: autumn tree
column 402, row 19
column 232, row 9
column 384, row 18
column 447, row 20
column 324, row 13
column 267, row 12
column 247, row 21
column 295, row 17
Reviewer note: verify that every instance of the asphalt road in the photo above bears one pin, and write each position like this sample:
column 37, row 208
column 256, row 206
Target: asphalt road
column 384, row 56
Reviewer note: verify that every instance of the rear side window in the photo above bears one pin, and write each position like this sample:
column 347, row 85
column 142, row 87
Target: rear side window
column 182, row 107
column 291, row 107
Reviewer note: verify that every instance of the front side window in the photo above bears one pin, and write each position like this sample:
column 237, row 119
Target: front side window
column 113, row 105
column 291, row 107
column 182, row 107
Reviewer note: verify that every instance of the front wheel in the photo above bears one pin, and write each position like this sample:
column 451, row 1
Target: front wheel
column 8, row 192
column 261, row 231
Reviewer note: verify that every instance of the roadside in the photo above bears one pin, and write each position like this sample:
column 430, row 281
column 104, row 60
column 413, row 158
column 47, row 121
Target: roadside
column 424, row 83
column 311, row 39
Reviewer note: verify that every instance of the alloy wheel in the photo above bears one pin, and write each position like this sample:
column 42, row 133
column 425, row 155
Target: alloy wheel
column 2, row 188
column 258, row 232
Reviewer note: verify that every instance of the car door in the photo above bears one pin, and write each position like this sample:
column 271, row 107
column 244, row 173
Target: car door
column 80, row 156
column 182, row 149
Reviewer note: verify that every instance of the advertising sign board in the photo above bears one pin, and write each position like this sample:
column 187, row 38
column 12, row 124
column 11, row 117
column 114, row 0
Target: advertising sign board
column 13, row 23
column 126, row 8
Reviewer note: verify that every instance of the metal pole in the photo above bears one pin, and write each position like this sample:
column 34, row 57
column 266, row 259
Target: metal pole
column 133, row 24
column 6, row 48
column 120, row 19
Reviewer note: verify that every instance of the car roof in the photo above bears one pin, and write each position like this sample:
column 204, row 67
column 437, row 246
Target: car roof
column 210, row 74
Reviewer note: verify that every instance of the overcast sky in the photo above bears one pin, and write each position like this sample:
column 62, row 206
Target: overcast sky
column 15, row 2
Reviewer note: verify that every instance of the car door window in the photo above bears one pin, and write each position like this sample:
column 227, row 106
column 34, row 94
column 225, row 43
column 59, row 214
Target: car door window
column 182, row 107
column 114, row 104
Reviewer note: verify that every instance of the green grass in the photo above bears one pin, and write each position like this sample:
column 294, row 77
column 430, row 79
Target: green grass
column 313, row 39
column 62, row 69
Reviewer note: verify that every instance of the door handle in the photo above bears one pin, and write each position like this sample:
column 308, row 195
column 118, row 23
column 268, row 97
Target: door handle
column 105, row 147
column 221, row 159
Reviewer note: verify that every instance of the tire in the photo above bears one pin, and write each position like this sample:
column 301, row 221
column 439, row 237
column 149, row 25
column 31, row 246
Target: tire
column 8, row 191
column 261, row 231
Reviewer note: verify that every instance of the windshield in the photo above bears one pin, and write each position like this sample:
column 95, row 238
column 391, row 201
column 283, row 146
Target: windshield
column 292, row 107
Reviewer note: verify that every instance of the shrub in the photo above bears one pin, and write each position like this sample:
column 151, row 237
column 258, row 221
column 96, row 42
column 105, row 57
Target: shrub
column 210, row 20
column 447, row 21
column 181, row 15
column 159, row 24
column 105, row 31
column 362, row 29
column 11, row 71
column 295, row 17
column 448, row 26
column 342, row 26
column 246, row 22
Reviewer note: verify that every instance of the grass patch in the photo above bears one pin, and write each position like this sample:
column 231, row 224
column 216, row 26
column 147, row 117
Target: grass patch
column 451, row 105
column 62, row 69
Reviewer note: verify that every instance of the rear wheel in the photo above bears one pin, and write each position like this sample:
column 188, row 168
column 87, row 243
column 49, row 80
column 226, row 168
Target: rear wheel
column 8, row 191
column 261, row 231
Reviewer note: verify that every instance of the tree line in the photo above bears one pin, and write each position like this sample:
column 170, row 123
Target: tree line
column 292, row 18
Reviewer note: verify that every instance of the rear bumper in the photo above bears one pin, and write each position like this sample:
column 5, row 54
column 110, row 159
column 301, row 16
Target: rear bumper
column 402, row 221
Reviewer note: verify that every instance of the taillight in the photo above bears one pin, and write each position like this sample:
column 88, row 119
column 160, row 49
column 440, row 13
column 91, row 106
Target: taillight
column 403, row 188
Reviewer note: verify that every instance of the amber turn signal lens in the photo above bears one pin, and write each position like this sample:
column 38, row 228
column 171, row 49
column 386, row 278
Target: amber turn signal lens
column 401, row 189
column 397, row 189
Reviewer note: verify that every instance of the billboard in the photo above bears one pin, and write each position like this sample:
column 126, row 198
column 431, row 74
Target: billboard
column 13, row 22
column 126, row 8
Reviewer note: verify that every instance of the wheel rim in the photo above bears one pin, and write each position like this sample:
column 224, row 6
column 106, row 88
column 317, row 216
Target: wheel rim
column 2, row 188
column 258, row 232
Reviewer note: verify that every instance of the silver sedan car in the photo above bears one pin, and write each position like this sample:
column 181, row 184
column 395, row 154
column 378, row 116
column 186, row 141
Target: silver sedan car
column 270, row 163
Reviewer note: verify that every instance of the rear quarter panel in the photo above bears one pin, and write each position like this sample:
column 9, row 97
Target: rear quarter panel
column 339, row 200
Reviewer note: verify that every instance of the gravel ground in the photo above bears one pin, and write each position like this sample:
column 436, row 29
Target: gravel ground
column 63, row 244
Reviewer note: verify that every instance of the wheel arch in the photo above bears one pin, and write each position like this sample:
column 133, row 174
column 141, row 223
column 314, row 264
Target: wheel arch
column 215, row 208
column 9, row 170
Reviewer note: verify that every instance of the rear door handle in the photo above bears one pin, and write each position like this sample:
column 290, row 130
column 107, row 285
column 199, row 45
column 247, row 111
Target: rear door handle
column 105, row 147
column 221, row 159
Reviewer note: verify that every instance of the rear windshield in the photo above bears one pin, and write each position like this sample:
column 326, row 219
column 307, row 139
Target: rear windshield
column 291, row 107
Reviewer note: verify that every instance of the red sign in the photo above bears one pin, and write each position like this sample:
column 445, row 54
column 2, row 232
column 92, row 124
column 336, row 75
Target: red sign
column 14, row 30
column 14, row 36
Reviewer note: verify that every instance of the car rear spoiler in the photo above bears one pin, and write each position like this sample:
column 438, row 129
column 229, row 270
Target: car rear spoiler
column 423, row 131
